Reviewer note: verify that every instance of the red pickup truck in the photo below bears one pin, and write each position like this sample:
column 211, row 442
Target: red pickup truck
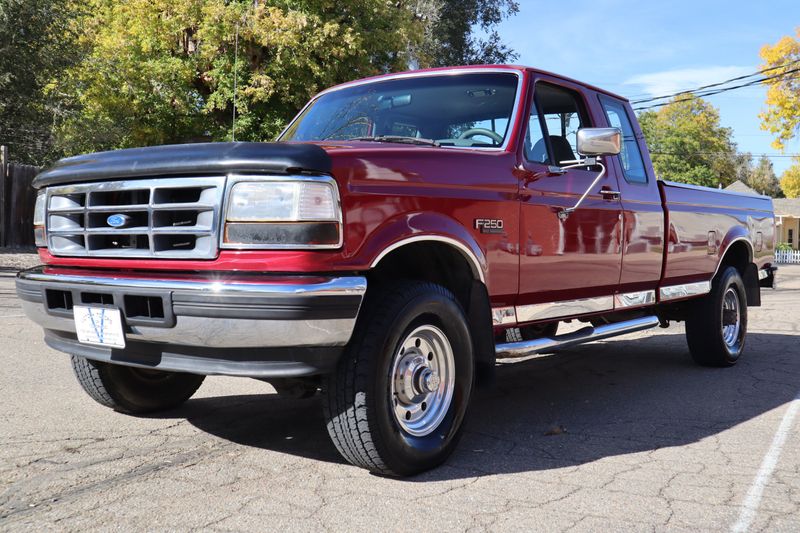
column 403, row 233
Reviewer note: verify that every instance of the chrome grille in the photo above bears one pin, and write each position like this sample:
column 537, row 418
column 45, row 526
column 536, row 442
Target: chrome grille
column 159, row 218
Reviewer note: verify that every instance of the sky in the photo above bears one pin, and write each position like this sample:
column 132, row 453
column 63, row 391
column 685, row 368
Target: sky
column 646, row 48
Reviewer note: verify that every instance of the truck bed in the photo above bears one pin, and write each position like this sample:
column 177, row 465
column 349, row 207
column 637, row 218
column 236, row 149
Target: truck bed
column 701, row 223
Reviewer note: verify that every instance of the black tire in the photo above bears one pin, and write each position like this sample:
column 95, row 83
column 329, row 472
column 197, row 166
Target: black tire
column 133, row 390
column 707, row 318
column 358, row 399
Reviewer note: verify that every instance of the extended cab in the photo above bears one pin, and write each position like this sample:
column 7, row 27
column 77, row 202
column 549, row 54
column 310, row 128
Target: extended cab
column 404, row 232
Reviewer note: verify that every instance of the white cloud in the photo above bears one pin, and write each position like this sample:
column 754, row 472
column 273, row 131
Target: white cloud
column 672, row 81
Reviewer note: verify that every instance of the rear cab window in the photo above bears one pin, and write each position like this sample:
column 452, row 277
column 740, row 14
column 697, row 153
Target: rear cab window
column 630, row 157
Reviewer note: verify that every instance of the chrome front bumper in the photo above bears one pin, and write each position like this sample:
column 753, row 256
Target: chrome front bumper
column 258, row 326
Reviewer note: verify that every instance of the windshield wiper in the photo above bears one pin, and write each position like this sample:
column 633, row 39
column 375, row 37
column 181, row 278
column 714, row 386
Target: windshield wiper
column 397, row 139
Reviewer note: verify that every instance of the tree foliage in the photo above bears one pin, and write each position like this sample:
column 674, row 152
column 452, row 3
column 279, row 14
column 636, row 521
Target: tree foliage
column 790, row 179
column 743, row 161
column 103, row 74
column 36, row 45
column 450, row 38
column 762, row 178
column 688, row 144
column 782, row 116
column 162, row 71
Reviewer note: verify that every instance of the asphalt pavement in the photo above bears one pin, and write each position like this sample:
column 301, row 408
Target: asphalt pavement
column 622, row 435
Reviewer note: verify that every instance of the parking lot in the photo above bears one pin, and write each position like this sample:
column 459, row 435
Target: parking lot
column 626, row 434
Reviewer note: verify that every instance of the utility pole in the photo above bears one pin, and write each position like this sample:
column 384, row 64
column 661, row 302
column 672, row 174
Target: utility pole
column 235, row 66
column 5, row 194
column 235, row 73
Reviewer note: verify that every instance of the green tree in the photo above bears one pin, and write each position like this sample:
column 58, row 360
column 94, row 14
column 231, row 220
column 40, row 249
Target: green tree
column 688, row 144
column 790, row 179
column 743, row 161
column 762, row 178
column 162, row 71
column 451, row 37
column 36, row 44
column 782, row 116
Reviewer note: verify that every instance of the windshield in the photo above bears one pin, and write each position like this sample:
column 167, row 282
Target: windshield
column 468, row 110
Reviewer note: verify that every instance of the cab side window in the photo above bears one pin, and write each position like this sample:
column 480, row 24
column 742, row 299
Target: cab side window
column 553, row 125
column 535, row 145
column 630, row 156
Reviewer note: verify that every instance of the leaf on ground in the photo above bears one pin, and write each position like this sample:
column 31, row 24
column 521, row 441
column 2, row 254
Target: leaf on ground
column 557, row 429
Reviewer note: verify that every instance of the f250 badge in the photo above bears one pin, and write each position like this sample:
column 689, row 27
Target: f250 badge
column 489, row 225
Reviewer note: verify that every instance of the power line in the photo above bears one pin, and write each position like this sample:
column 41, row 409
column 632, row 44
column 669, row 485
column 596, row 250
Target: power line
column 784, row 75
column 725, row 154
column 717, row 84
column 726, row 89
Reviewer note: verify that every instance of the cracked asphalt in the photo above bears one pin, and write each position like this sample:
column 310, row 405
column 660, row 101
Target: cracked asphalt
column 626, row 434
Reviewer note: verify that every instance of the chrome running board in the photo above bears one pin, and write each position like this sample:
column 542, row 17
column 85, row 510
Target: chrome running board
column 587, row 334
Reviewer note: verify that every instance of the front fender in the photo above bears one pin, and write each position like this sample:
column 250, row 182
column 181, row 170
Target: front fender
column 419, row 227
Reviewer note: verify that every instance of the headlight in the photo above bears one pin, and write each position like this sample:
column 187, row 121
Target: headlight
column 38, row 220
column 291, row 213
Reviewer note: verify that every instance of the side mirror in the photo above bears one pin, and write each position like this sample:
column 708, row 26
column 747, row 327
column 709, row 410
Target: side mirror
column 593, row 142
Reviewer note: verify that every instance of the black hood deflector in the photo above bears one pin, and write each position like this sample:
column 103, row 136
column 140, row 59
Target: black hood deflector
column 188, row 160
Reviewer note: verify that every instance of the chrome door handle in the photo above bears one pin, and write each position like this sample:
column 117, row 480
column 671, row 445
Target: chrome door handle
column 609, row 194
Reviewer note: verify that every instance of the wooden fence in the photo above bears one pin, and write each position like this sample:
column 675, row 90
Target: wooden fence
column 17, row 199
column 787, row 256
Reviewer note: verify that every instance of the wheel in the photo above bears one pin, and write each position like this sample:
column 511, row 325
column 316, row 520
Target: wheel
column 134, row 390
column 717, row 326
column 397, row 400
column 527, row 333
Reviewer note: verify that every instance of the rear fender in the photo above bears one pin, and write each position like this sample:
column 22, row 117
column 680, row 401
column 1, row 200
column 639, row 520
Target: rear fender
column 736, row 234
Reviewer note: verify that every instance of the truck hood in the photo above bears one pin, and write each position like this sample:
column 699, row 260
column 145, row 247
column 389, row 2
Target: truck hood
column 188, row 159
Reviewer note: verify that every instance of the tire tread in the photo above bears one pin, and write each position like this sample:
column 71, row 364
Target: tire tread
column 105, row 383
column 88, row 376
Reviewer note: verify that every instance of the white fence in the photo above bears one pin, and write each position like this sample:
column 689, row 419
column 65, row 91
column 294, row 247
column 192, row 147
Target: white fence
column 787, row 256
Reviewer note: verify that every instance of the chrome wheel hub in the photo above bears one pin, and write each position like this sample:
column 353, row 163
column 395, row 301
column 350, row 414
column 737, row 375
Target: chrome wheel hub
column 731, row 318
column 422, row 380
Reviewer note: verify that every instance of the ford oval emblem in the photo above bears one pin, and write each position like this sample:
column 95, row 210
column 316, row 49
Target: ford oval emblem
column 118, row 221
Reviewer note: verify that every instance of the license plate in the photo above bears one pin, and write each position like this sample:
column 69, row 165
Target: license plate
column 100, row 326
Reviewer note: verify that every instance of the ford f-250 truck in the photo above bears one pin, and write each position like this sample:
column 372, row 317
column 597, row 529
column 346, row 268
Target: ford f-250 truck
column 404, row 232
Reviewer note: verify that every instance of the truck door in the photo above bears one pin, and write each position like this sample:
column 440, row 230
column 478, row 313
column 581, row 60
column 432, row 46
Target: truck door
column 567, row 267
column 642, row 212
